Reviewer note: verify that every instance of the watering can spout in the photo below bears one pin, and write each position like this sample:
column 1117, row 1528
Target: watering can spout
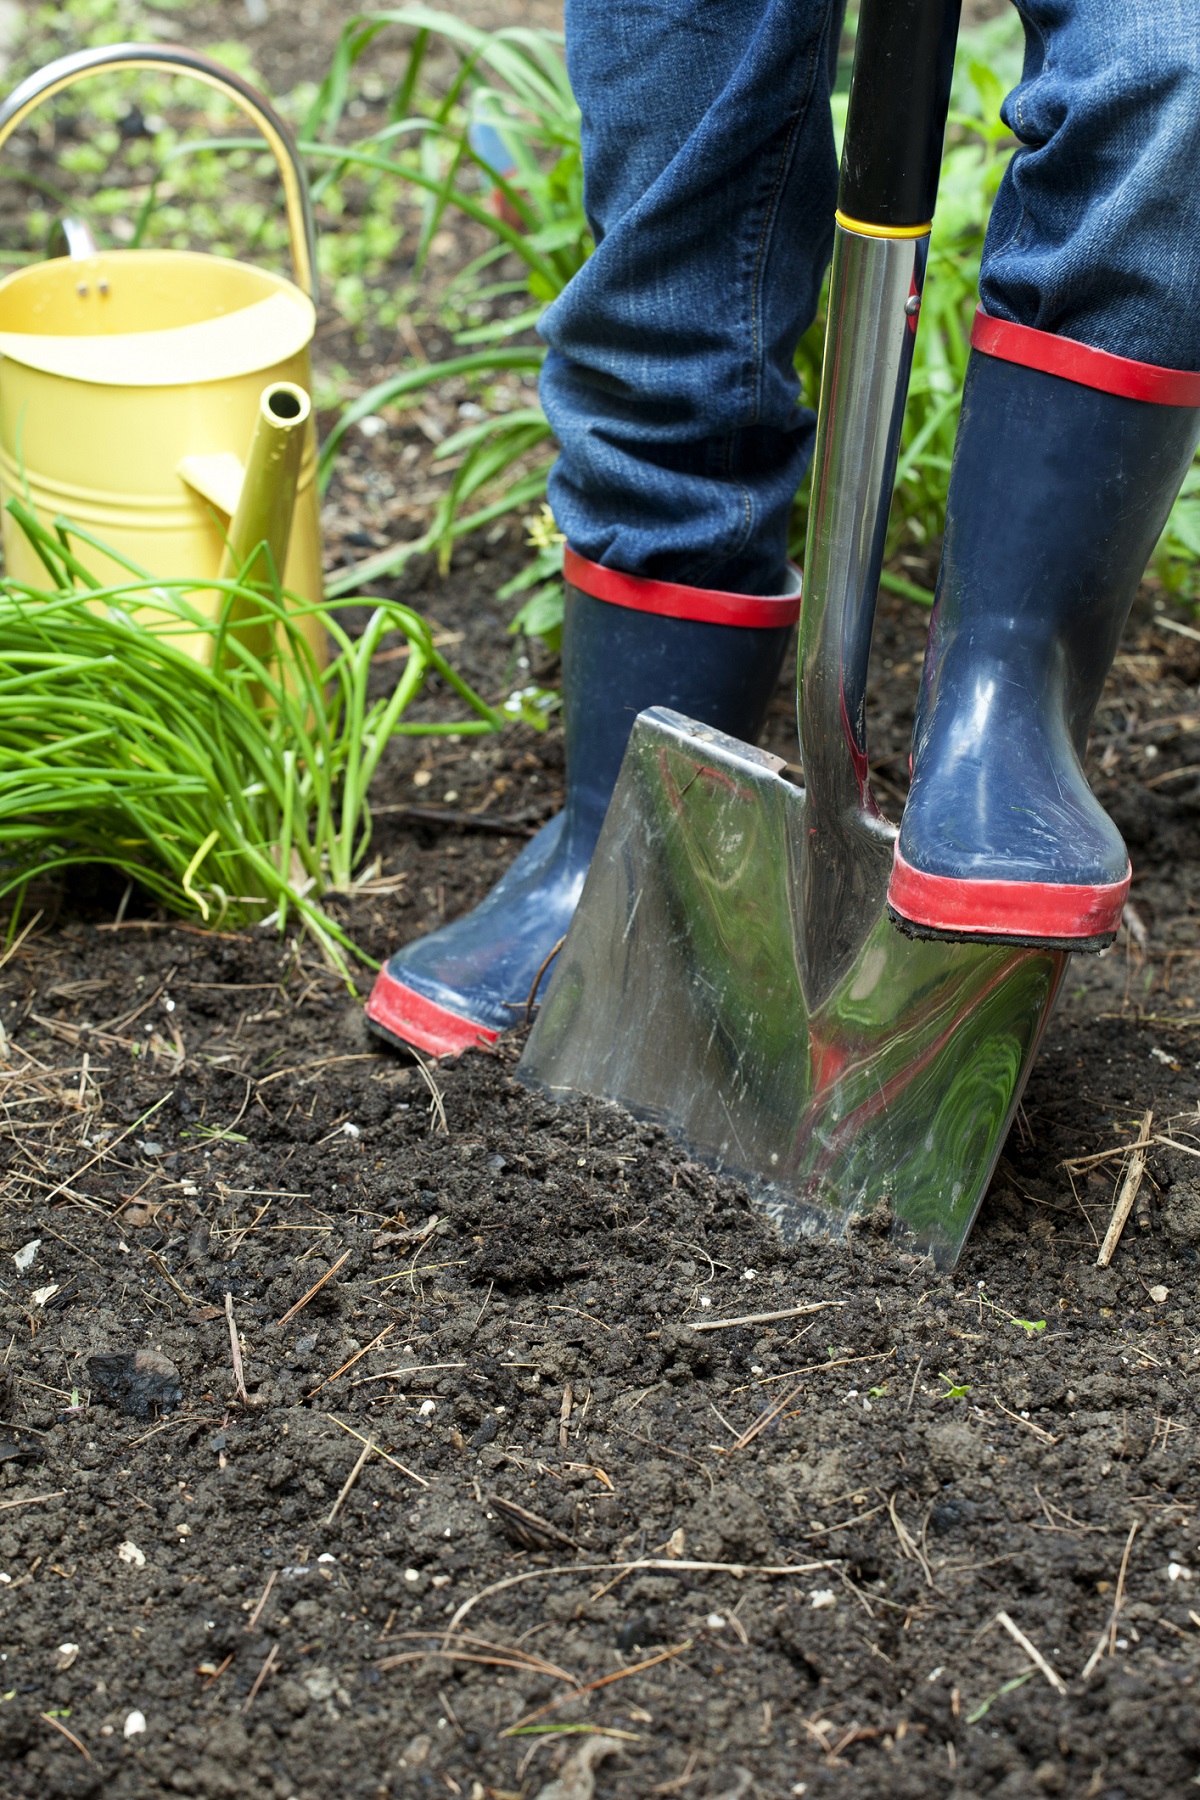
column 261, row 525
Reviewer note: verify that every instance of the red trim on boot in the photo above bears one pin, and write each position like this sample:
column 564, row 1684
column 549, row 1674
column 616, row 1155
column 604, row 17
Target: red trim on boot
column 1073, row 361
column 1029, row 910
column 673, row 601
column 416, row 1020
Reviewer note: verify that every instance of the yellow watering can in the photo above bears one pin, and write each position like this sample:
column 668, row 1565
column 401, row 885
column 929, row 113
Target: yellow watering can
column 158, row 398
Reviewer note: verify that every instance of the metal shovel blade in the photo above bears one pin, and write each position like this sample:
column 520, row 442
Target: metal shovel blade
column 683, row 993
column 731, row 970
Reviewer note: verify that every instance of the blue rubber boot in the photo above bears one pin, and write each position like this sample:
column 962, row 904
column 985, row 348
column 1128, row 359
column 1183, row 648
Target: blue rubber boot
column 628, row 643
column 1066, row 465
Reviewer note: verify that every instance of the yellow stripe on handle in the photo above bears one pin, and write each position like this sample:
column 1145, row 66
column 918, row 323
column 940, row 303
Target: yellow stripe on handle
column 882, row 231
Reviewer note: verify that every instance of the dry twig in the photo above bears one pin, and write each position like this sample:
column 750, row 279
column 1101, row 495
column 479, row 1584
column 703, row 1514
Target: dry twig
column 767, row 1318
column 350, row 1480
column 1108, row 1638
column 314, row 1289
column 1018, row 1636
column 1127, row 1195
column 236, row 1352
column 59, row 1726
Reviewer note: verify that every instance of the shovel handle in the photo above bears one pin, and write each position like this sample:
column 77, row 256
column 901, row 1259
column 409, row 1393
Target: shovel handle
column 67, row 70
column 896, row 123
column 899, row 98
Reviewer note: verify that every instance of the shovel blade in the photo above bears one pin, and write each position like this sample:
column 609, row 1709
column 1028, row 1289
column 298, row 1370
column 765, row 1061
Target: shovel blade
column 777, row 1024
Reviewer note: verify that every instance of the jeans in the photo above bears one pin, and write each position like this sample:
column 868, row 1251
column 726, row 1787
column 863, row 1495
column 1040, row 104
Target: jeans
column 710, row 182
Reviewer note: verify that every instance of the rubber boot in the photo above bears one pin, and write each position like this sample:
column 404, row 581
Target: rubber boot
column 628, row 643
column 1066, row 465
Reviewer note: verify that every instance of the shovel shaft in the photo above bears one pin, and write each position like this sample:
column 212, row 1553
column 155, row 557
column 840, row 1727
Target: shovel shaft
column 899, row 98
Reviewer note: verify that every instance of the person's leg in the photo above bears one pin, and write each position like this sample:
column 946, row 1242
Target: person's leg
column 710, row 177
column 710, row 181
column 1080, row 416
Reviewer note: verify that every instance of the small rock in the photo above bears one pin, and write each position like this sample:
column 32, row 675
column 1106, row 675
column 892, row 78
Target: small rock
column 128, row 1552
column 25, row 1255
column 1158, row 1293
column 64, row 1657
column 135, row 1722
column 822, row 1597
column 141, row 1383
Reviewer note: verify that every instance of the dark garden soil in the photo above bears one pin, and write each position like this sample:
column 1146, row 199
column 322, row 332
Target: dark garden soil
column 472, row 1508
column 511, row 1292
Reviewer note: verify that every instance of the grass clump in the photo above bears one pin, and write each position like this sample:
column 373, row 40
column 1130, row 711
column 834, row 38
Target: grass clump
column 233, row 788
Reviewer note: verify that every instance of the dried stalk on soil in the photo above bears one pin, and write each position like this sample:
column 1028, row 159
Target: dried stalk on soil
column 1127, row 1195
column 314, row 1289
column 1031, row 1650
column 350, row 1480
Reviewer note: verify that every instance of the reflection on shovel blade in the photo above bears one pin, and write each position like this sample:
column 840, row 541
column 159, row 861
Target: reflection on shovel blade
column 832, row 1064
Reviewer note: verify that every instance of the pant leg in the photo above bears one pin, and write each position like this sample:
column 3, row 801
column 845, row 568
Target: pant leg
column 1095, row 233
column 710, row 182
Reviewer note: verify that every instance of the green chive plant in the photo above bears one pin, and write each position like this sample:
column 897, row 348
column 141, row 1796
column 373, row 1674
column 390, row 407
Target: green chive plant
column 233, row 788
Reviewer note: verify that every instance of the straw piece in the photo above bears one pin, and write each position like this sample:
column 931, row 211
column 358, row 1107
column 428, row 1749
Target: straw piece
column 1126, row 1197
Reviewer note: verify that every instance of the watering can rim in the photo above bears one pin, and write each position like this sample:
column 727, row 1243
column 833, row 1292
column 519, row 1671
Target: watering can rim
column 269, row 330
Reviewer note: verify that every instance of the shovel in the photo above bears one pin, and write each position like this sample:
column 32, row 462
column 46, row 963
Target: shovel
column 731, row 971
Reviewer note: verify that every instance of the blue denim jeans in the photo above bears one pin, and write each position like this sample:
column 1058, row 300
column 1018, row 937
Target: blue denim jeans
column 710, row 181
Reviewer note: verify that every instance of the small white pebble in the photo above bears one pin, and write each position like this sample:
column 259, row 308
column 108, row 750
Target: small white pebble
column 450, row 797
column 756, row 1368
column 372, row 426
column 412, row 1574
column 1177, row 1572
column 934, row 1673
column 128, row 1552
column 441, row 1580
column 134, row 1723
column 822, row 1597
column 1158, row 1293
column 749, row 1274
column 799, row 1787
column 704, row 1300
column 184, row 1530
column 65, row 1657
column 42, row 1294
column 426, row 1407
column 715, row 1622
column 422, row 778
column 350, row 1130
column 327, row 1556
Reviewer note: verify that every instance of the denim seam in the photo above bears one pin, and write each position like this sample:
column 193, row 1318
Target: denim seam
column 770, row 216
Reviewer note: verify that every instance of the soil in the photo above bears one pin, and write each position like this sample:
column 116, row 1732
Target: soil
column 588, row 1551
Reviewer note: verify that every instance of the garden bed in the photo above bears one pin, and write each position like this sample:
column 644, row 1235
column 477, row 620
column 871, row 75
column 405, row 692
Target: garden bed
column 191, row 1116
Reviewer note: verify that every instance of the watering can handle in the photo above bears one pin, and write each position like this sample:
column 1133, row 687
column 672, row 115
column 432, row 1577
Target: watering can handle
column 891, row 158
column 67, row 70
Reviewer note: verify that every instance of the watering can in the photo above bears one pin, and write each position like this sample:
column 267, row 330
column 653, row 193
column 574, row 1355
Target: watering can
column 159, row 399
column 731, row 971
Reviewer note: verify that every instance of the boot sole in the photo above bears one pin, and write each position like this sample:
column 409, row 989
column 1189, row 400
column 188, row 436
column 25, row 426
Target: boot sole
column 1032, row 914
column 407, row 1018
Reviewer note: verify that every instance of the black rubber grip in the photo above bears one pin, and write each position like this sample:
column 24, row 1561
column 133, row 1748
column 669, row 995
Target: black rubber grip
column 899, row 98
